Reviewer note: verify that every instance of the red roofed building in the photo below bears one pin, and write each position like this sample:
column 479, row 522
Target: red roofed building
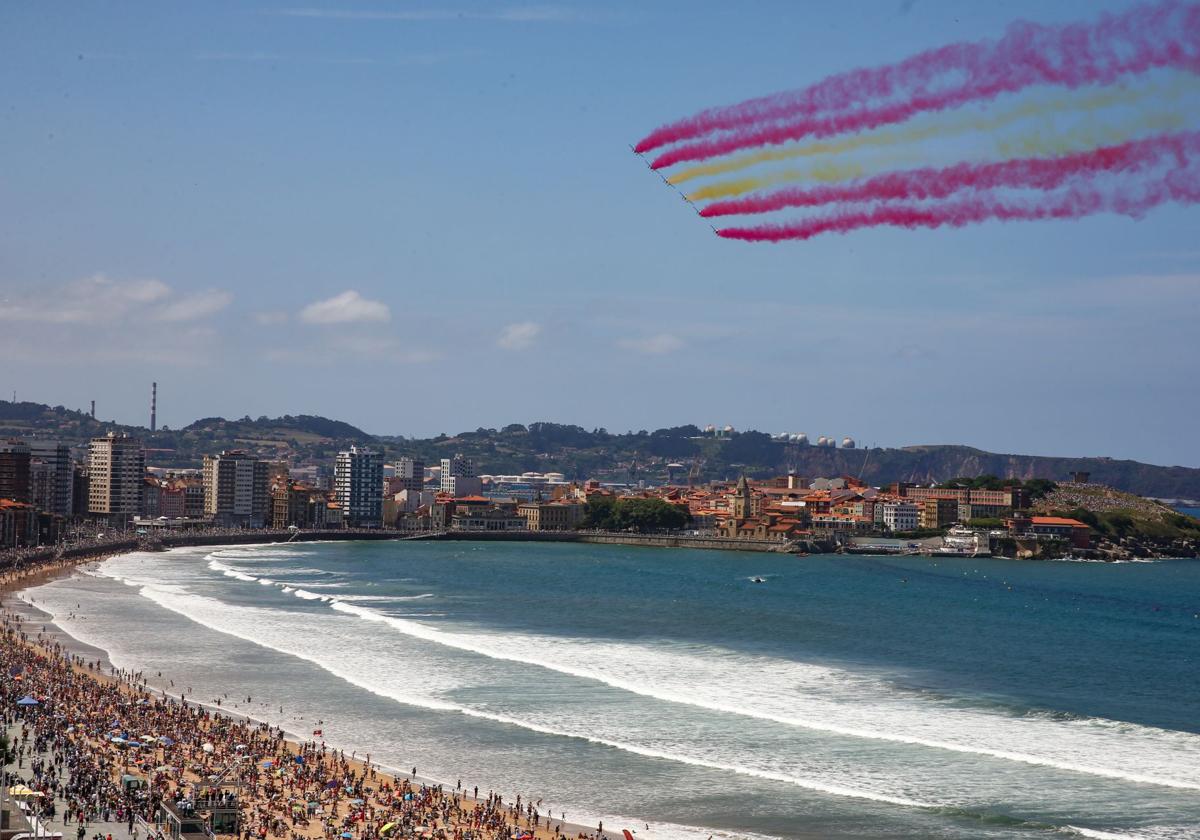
column 1077, row 533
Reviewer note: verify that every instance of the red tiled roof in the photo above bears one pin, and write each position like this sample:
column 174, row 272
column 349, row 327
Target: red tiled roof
column 1056, row 520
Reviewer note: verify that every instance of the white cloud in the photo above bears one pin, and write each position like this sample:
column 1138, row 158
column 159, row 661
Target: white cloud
column 195, row 306
column 268, row 319
column 518, row 336
column 654, row 345
column 348, row 307
column 99, row 299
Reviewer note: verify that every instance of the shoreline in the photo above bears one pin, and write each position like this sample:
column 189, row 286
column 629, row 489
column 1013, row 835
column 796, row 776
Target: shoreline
column 25, row 616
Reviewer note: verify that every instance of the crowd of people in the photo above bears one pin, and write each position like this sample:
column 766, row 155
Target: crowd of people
column 109, row 747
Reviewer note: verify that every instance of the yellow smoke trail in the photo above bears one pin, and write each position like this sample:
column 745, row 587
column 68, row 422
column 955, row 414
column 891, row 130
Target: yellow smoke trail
column 951, row 124
column 825, row 173
column 1079, row 139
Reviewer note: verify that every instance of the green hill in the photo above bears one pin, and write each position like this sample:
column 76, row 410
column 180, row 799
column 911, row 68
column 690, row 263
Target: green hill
column 597, row 453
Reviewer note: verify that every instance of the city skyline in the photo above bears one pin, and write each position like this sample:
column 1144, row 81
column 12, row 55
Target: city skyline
column 420, row 220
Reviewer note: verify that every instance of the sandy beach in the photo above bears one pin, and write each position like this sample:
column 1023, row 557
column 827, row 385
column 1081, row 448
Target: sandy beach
column 292, row 785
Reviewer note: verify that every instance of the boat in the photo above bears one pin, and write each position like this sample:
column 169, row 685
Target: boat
column 960, row 541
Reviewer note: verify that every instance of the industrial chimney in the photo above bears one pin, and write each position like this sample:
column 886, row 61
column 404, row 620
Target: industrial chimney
column 93, row 409
column 153, row 406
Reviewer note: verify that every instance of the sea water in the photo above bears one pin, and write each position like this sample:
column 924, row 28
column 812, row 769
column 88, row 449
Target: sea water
column 665, row 691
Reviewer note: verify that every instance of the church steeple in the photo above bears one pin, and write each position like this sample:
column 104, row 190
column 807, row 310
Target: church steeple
column 743, row 500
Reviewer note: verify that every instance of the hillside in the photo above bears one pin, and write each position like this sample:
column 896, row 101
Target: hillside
column 1123, row 519
column 579, row 453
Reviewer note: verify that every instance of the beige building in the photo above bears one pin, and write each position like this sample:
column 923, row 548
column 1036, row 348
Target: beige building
column 235, row 490
column 116, row 465
column 938, row 513
column 551, row 516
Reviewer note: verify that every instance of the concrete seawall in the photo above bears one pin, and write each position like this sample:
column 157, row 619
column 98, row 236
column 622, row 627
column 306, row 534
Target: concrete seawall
column 645, row 540
column 182, row 540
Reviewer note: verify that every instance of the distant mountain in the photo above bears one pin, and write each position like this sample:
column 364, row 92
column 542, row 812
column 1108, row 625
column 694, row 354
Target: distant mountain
column 580, row 453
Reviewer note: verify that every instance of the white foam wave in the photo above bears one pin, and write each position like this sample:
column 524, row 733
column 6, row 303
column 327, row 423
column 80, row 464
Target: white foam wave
column 1153, row 833
column 808, row 784
column 311, row 596
column 420, row 597
column 722, row 681
column 276, row 631
column 230, row 571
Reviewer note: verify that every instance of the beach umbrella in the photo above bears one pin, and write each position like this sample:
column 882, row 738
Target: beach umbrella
column 207, row 747
column 268, row 764
column 388, row 829
column 357, row 801
column 346, row 835
column 239, row 747
column 27, row 701
column 117, row 739
column 299, row 759
column 166, row 742
column 133, row 744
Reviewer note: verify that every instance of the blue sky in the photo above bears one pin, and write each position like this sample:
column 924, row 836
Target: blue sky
column 424, row 217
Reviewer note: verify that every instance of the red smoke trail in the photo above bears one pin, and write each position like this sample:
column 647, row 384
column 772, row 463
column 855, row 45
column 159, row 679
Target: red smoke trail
column 1178, row 185
column 930, row 183
column 1165, row 35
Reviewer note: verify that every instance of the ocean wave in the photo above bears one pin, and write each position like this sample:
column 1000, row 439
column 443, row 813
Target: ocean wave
column 835, row 702
column 822, row 699
column 420, row 597
column 230, row 571
column 277, row 631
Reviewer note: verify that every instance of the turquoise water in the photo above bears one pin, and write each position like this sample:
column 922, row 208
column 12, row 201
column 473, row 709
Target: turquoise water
column 842, row 697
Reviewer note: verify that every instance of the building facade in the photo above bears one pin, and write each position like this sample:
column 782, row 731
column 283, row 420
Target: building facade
column 14, row 470
column 409, row 475
column 51, row 477
column 459, row 467
column 116, row 464
column 552, row 516
column 358, row 485
column 899, row 516
column 235, row 490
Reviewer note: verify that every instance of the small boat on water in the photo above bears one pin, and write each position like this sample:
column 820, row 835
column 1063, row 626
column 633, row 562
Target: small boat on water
column 758, row 580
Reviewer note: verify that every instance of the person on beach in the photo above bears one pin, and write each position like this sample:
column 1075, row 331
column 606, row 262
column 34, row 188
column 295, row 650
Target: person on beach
column 78, row 741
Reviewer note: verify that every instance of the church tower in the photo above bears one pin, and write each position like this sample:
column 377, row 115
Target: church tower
column 743, row 501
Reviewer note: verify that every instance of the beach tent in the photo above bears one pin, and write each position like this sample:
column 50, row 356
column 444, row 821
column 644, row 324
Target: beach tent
column 27, row 701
